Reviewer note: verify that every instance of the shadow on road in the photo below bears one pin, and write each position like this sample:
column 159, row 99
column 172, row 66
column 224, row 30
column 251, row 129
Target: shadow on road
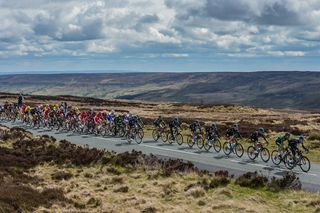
column 184, row 148
column 201, row 151
column 220, row 157
column 150, row 142
column 164, row 144
column 45, row 130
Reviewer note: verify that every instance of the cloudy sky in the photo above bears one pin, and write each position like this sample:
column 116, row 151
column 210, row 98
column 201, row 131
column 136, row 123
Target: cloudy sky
column 159, row 35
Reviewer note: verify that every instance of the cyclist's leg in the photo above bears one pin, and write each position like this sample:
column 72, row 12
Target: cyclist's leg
column 171, row 131
column 293, row 150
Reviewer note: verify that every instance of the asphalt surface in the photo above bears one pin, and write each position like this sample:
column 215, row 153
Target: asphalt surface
column 204, row 160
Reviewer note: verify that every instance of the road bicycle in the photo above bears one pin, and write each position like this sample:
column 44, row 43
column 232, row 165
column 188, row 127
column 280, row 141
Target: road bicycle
column 256, row 150
column 212, row 143
column 233, row 146
column 159, row 133
column 300, row 160
column 196, row 138
column 175, row 137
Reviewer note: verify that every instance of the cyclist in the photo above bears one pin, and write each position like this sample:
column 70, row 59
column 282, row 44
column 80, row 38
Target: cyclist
column 174, row 125
column 293, row 145
column 159, row 123
column 233, row 132
column 137, row 121
column 46, row 113
column 20, row 100
column 212, row 132
column 133, row 124
column 117, row 122
column 27, row 109
column 280, row 141
column 195, row 129
column 1, row 110
column 110, row 116
column 64, row 107
column 256, row 135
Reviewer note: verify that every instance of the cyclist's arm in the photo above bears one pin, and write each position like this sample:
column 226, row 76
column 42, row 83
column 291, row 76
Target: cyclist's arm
column 239, row 135
column 305, row 148
column 265, row 139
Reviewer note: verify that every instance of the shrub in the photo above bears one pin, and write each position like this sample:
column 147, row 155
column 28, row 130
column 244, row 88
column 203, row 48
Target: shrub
column 123, row 189
column 288, row 181
column 196, row 192
column 251, row 180
column 61, row 175
column 149, row 210
column 314, row 135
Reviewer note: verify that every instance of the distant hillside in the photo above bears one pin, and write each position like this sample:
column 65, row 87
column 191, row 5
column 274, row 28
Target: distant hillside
column 261, row 89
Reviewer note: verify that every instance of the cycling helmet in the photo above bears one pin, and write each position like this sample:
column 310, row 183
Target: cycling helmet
column 214, row 125
column 301, row 138
column 287, row 135
column 261, row 130
column 236, row 126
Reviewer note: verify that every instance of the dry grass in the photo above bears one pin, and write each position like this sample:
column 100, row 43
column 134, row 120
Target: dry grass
column 135, row 192
column 110, row 187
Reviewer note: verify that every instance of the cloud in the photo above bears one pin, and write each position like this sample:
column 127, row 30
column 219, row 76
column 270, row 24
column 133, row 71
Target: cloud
column 164, row 28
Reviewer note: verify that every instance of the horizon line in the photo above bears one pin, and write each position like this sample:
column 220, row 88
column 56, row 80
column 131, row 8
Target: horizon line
column 133, row 71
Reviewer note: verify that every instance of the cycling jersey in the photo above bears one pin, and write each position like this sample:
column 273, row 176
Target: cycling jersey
column 256, row 135
column 46, row 114
column 233, row 132
column 293, row 145
column 158, row 122
column 98, row 118
column 194, row 127
column 280, row 141
column 212, row 131
column 110, row 117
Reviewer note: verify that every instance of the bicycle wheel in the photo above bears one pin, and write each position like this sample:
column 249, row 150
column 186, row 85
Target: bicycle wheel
column 276, row 157
column 239, row 150
column 289, row 161
column 265, row 155
column 206, row 145
column 179, row 139
column 217, row 145
column 252, row 153
column 141, row 132
column 227, row 148
column 164, row 136
column 200, row 143
column 155, row 135
column 170, row 138
column 190, row 141
column 138, row 137
column 304, row 164
column 129, row 137
column 122, row 132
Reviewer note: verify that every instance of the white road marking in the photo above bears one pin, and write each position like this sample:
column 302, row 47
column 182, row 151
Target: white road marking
column 237, row 161
column 259, row 165
column 172, row 150
column 106, row 139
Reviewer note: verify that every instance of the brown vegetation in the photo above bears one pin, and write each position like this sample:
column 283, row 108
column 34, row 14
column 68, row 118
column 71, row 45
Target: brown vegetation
column 42, row 174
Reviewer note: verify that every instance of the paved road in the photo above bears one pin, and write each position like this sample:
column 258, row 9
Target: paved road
column 210, row 161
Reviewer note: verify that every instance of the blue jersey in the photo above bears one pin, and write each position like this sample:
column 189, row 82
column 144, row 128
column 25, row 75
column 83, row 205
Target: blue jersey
column 110, row 117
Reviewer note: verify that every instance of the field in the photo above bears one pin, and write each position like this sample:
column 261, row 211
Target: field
column 40, row 174
column 296, row 90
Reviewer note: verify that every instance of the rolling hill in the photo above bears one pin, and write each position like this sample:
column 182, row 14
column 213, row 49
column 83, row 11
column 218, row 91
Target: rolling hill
column 299, row 90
